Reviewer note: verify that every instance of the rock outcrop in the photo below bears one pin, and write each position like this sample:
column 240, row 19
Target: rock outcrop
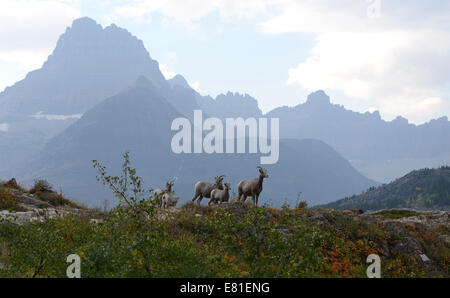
column 33, row 208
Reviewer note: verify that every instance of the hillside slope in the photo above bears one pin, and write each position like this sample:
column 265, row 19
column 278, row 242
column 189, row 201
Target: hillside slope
column 421, row 189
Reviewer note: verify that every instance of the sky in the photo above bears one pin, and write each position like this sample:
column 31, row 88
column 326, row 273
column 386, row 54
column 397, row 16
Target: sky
column 386, row 55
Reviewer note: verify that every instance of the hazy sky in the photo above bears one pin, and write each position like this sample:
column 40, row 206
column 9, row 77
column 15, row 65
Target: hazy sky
column 386, row 55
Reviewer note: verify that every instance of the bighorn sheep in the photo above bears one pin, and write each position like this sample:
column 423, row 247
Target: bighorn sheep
column 220, row 195
column 203, row 189
column 158, row 193
column 252, row 187
column 168, row 200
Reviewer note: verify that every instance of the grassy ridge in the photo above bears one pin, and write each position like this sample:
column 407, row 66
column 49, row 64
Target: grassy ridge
column 236, row 241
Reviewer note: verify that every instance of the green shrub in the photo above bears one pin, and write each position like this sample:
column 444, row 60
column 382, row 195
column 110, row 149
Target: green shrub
column 40, row 186
column 396, row 214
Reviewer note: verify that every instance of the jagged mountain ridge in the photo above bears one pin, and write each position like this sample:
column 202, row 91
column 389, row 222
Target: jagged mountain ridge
column 230, row 104
column 341, row 128
column 382, row 150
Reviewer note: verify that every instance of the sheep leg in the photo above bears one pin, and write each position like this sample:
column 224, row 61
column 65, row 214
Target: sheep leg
column 199, row 201
column 239, row 196
column 257, row 198
column 195, row 197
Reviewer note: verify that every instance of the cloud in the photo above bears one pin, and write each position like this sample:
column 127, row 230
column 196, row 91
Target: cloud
column 166, row 73
column 31, row 28
column 187, row 12
column 196, row 87
column 398, row 61
column 4, row 127
column 329, row 16
column 420, row 108
column 170, row 74
column 171, row 56
column 41, row 115
column 378, row 64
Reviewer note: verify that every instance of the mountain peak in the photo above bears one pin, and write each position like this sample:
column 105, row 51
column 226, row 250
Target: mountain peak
column 400, row 120
column 178, row 80
column 87, row 40
column 84, row 22
column 318, row 97
column 89, row 64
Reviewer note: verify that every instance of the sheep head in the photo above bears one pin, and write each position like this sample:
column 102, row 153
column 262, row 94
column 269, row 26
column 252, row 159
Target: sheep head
column 169, row 185
column 219, row 180
column 263, row 172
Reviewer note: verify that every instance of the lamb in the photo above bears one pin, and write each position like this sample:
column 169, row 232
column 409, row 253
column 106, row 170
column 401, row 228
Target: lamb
column 168, row 200
column 203, row 189
column 220, row 195
column 252, row 187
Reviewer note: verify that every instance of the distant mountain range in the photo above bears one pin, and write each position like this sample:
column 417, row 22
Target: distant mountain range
column 139, row 118
column 100, row 93
column 380, row 149
column 425, row 189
